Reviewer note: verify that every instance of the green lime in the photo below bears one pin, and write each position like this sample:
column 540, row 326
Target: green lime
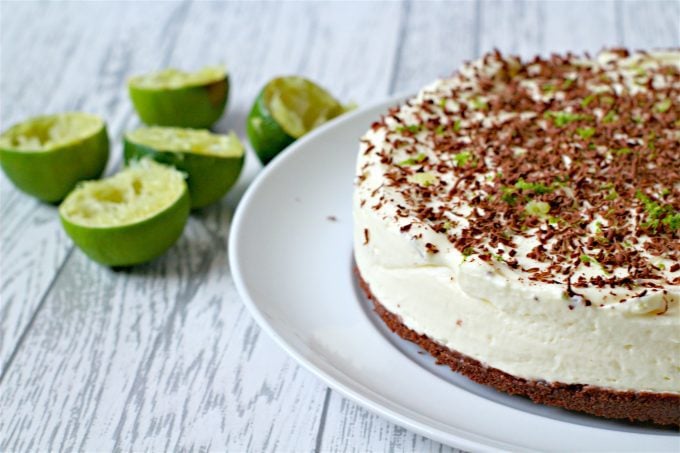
column 285, row 110
column 46, row 156
column 129, row 218
column 176, row 98
column 212, row 162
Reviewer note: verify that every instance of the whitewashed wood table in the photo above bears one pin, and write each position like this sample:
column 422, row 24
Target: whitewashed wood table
column 164, row 356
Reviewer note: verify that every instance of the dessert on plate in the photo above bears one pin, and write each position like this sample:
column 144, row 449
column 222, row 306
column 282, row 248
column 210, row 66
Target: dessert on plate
column 520, row 221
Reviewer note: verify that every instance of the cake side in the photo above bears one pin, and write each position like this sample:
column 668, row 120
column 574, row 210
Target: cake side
column 658, row 408
column 526, row 215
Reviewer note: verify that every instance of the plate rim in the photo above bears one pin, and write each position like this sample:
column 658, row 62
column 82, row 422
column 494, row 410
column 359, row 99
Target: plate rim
column 326, row 378
column 464, row 439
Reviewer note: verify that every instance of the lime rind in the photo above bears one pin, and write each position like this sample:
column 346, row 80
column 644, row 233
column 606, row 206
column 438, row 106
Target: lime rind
column 173, row 139
column 139, row 192
column 299, row 105
column 212, row 162
column 169, row 79
column 47, row 156
column 129, row 218
column 47, row 133
column 179, row 99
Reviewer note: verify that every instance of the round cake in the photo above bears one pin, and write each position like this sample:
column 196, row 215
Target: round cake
column 520, row 221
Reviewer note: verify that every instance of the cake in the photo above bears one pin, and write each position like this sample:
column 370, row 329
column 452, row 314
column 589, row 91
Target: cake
column 520, row 221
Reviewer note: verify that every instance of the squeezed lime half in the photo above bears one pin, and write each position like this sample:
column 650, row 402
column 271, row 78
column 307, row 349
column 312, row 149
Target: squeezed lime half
column 212, row 162
column 129, row 218
column 286, row 109
column 172, row 97
column 46, row 156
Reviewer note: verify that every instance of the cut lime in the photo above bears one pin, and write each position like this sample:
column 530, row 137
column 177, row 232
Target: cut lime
column 129, row 218
column 286, row 109
column 176, row 98
column 46, row 156
column 212, row 162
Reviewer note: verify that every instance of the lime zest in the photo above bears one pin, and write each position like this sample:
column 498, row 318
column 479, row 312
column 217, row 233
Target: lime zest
column 585, row 132
column 462, row 158
column 561, row 119
column 663, row 106
column 412, row 160
column 425, row 179
column 537, row 208
column 536, row 187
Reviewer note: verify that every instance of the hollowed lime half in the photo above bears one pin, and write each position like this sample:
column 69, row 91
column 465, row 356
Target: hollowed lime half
column 129, row 218
column 212, row 162
column 286, row 109
column 183, row 99
column 46, row 156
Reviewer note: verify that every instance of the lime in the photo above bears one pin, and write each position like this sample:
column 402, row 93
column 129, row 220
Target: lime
column 285, row 110
column 212, row 162
column 129, row 218
column 46, row 156
column 176, row 98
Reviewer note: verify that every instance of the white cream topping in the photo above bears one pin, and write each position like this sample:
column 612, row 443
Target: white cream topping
column 493, row 313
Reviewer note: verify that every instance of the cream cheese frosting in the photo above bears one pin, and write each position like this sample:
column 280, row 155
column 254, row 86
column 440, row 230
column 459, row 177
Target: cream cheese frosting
column 582, row 318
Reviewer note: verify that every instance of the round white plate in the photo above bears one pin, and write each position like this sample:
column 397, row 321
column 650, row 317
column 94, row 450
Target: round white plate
column 290, row 251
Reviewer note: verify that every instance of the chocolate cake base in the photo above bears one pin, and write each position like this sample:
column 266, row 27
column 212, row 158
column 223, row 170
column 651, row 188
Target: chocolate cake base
column 658, row 408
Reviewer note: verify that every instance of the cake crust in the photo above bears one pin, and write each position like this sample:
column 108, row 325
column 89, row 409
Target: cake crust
column 658, row 408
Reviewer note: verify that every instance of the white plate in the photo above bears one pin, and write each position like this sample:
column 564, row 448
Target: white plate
column 292, row 264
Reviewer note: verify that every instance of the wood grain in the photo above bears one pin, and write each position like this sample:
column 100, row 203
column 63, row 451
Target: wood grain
column 526, row 28
column 164, row 356
column 74, row 65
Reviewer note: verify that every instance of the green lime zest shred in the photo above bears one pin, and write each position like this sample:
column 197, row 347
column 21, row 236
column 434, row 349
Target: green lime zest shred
column 425, row 179
column 537, row 208
column 479, row 104
column 412, row 128
column 610, row 117
column 536, row 187
column 462, row 158
column 622, row 151
column 413, row 160
column 658, row 214
column 585, row 132
column 561, row 119
column 663, row 106
column 587, row 100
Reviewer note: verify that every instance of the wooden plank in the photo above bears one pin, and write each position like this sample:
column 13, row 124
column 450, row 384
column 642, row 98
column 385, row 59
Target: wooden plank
column 512, row 27
column 447, row 31
column 56, row 59
column 436, row 37
column 350, row 428
column 579, row 26
column 164, row 356
column 649, row 24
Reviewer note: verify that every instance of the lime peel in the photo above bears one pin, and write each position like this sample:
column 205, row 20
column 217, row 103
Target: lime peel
column 286, row 109
column 129, row 218
column 212, row 162
column 47, row 156
column 176, row 98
